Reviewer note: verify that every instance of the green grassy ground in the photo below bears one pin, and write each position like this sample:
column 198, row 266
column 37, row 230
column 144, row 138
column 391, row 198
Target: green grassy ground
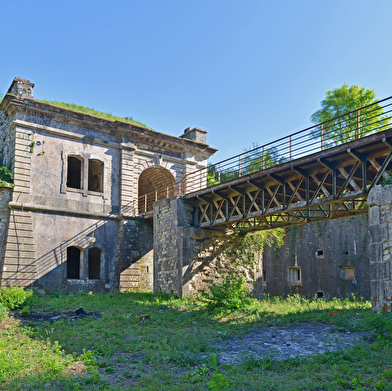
column 172, row 349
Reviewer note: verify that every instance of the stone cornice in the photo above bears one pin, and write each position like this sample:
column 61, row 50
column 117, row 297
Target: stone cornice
column 104, row 126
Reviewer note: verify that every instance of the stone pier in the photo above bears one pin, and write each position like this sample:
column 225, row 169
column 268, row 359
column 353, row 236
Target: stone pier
column 380, row 251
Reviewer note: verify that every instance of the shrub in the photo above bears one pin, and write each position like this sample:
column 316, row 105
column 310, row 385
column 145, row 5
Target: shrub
column 228, row 295
column 14, row 297
column 3, row 311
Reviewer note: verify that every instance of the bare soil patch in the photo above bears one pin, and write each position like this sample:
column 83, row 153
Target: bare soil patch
column 280, row 343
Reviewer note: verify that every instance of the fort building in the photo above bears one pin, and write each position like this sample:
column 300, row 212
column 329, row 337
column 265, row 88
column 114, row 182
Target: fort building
column 74, row 218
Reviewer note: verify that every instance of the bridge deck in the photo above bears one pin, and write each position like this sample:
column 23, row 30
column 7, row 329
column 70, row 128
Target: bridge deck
column 328, row 184
column 319, row 173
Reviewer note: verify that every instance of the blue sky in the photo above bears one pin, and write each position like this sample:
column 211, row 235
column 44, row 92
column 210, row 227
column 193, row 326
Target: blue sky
column 246, row 71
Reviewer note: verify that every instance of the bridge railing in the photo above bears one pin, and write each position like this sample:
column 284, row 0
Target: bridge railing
column 347, row 127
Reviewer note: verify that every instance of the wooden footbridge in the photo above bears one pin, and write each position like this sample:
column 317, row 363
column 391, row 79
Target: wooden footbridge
column 320, row 173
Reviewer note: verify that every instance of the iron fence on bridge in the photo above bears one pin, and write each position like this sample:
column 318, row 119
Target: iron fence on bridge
column 351, row 126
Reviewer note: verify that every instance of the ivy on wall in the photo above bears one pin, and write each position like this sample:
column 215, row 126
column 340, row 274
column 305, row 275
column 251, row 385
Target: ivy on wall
column 249, row 244
column 6, row 177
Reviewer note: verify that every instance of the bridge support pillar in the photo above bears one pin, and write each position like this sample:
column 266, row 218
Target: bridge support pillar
column 380, row 250
column 172, row 233
column 188, row 259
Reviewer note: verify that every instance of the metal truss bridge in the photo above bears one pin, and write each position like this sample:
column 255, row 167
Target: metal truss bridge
column 320, row 173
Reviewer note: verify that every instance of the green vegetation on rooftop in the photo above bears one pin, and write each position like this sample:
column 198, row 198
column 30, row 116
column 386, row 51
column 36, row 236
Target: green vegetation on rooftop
column 95, row 113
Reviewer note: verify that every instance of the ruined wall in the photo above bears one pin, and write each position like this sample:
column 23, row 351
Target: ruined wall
column 322, row 259
column 380, row 249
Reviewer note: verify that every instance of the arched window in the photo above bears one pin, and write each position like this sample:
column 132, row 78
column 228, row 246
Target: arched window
column 94, row 263
column 74, row 173
column 95, row 175
column 73, row 263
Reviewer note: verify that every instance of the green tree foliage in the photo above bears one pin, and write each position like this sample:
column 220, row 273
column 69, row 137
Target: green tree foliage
column 342, row 127
column 254, row 159
column 1, row 96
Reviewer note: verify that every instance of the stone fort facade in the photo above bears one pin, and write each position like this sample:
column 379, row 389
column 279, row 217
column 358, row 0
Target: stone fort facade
column 75, row 218
column 72, row 220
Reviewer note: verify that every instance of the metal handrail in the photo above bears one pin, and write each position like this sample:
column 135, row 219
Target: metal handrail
column 347, row 127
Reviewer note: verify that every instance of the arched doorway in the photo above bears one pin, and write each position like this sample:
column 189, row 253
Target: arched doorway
column 155, row 183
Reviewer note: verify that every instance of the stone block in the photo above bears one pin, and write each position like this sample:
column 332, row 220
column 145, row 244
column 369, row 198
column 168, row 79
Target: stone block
column 380, row 195
column 377, row 233
column 374, row 215
column 375, row 252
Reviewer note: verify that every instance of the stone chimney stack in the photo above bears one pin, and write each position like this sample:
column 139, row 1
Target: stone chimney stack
column 195, row 134
column 22, row 88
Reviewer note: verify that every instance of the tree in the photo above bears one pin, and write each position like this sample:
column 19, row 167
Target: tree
column 254, row 159
column 342, row 108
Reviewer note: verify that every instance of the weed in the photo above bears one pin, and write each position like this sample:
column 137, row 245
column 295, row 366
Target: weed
column 228, row 295
column 6, row 177
column 173, row 347
column 388, row 179
column 14, row 297
column 219, row 381
column 109, row 370
column 3, row 311
column 90, row 361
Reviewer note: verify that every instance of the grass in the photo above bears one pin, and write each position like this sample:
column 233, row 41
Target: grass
column 173, row 348
column 95, row 113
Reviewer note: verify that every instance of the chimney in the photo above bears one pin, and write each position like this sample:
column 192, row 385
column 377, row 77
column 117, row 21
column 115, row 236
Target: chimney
column 195, row 134
column 22, row 88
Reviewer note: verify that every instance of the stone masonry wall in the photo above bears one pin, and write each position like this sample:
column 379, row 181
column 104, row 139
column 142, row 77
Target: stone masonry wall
column 136, row 255
column 187, row 259
column 5, row 198
column 323, row 259
column 380, row 249
column 207, row 257
column 331, row 258
column 167, row 243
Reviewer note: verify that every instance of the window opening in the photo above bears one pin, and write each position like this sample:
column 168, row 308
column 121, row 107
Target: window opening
column 319, row 295
column 295, row 275
column 73, row 263
column 95, row 174
column 319, row 254
column 74, row 174
column 94, row 263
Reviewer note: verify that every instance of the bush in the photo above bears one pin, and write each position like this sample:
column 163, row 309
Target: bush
column 228, row 295
column 14, row 297
column 3, row 311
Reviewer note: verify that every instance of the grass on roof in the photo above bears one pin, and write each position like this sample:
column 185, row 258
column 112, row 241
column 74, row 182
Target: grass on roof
column 95, row 113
